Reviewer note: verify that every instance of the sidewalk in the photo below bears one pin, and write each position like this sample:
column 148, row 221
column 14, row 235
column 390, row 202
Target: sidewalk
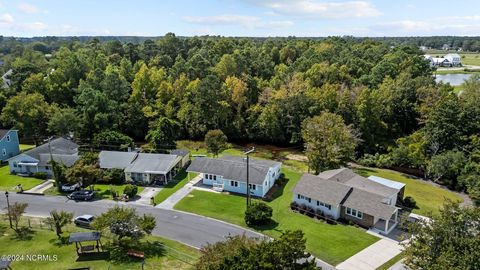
column 179, row 194
column 147, row 194
column 373, row 256
column 39, row 189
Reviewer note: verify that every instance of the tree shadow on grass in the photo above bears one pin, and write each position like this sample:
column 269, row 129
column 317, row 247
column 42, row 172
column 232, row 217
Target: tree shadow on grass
column 23, row 234
column 93, row 256
column 271, row 225
column 365, row 172
column 59, row 242
column 119, row 254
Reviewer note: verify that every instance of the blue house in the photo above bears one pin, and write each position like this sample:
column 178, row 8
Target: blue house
column 229, row 173
column 9, row 144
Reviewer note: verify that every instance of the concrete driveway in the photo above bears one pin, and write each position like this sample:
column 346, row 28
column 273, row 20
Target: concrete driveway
column 373, row 256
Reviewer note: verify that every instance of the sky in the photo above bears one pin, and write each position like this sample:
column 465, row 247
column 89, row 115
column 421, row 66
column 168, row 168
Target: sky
column 310, row 18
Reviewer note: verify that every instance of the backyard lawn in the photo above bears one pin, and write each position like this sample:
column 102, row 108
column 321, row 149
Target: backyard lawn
column 180, row 180
column 332, row 243
column 429, row 197
column 160, row 253
column 8, row 181
column 25, row 147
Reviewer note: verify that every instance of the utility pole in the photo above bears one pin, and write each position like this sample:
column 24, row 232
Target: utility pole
column 8, row 209
column 52, row 162
column 248, row 180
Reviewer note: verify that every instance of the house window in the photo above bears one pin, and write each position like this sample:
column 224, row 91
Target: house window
column 8, row 138
column 354, row 213
column 234, row 183
column 4, row 151
column 252, row 186
column 47, row 168
column 15, row 164
column 309, row 200
column 206, row 176
column 214, row 177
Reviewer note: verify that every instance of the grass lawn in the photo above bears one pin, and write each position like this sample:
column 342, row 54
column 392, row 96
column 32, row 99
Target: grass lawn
column 25, row 147
column 468, row 58
column 160, row 253
column 457, row 71
column 429, row 198
column 332, row 243
column 103, row 191
column 180, row 180
column 261, row 151
column 9, row 181
column 391, row 262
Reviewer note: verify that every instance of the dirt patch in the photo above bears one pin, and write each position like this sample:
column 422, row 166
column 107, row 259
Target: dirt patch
column 297, row 157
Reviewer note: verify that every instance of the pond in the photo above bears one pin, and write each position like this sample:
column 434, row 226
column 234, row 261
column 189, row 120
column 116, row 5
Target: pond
column 453, row 79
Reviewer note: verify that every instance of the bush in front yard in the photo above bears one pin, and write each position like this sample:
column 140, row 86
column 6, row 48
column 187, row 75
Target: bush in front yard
column 409, row 202
column 258, row 214
column 130, row 190
column 40, row 175
column 294, row 206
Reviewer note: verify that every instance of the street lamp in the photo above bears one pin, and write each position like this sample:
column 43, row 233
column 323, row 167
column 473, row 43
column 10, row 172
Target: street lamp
column 248, row 180
column 8, row 209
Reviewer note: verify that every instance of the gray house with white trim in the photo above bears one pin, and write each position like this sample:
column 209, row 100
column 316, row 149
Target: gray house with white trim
column 38, row 159
column 229, row 173
column 344, row 194
column 144, row 168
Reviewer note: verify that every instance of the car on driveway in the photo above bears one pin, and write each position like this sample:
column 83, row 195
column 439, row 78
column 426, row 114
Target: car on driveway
column 82, row 195
column 71, row 187
column 83, row 220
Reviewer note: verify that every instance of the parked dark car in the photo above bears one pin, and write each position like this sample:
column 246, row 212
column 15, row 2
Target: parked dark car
column 84, row 220
column 82, row 195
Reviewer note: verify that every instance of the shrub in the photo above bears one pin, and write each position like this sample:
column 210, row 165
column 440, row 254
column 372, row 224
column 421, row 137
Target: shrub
column 318, row 213
column 294, row 206
column 310, row 211
column 40, row 175
column 409, row 202
column 258, row 214
column 114, row 176
column 302, row 208
column 130, row 190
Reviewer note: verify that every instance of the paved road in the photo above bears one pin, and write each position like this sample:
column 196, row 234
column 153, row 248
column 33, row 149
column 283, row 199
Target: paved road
column 189, row 229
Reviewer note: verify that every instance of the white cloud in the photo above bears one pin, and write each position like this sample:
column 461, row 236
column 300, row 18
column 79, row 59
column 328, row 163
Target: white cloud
column 243, row 20
column 6, row 18
column 28, row 8
column 35, row 26
column 454, row 25
column 315, row 9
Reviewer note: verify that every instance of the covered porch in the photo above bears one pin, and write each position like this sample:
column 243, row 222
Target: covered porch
column 27, row 167
column 386, row 225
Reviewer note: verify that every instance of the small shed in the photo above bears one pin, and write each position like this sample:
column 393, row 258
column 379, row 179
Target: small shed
column 79, row 238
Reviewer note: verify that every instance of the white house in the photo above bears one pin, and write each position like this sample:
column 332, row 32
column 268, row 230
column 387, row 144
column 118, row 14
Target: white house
column 344, row 194
column 454, row 58
column 230, row 173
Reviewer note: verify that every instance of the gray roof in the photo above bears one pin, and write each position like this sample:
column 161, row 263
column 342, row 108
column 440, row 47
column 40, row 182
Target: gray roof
column 67, row 160
column 320, row 189
column 369, row 203
column 180, row 152
column 233, row 168
column 60, row 146
column 115, row 159
column 345, row 187
column 160, row 163
column 350, row 178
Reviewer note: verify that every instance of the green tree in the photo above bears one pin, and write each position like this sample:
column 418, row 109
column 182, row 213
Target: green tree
column 162, row 133
column 125, row 223
column 450, row 241
column 240, row 252
column 446, row 167
column 258, row 214
column 83, row 173
column 58, row 220
column 28, row 113
column 112, row 139
column 329, row 142
column 63, row 121
column 216, row 141
column 15, row 213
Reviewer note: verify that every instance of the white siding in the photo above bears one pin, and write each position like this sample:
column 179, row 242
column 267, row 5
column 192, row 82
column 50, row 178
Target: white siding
column 334, row 212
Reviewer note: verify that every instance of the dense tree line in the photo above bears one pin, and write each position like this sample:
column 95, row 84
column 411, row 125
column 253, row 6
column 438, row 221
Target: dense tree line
column 368, row 99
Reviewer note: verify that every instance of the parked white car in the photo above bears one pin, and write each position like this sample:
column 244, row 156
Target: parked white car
column 71, row 187
column 84, row 220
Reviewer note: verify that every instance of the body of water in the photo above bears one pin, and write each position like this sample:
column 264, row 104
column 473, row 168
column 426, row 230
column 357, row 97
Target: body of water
column 453, row 79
